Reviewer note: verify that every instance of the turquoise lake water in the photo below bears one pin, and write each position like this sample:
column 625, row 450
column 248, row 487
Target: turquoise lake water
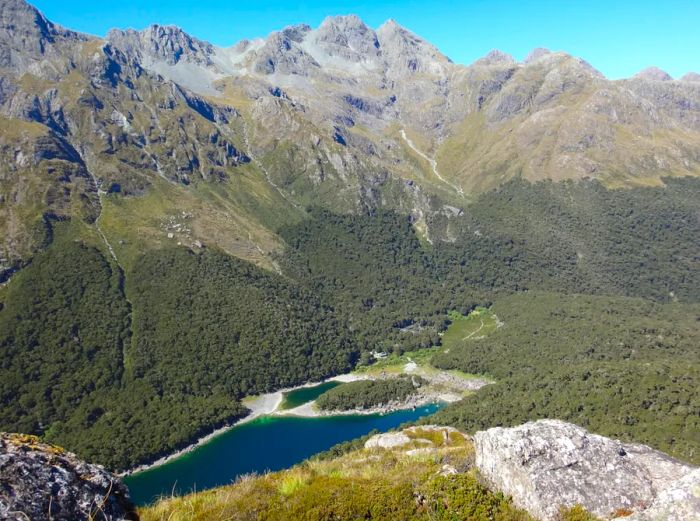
column 267, row 443
column 304, row 395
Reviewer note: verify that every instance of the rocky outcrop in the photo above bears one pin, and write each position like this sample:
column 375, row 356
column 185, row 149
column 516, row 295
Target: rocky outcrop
column 41, row 481
column 549, row 464
column 349, row 38
column 387, row 440
column 280, row 54
column 536, row 54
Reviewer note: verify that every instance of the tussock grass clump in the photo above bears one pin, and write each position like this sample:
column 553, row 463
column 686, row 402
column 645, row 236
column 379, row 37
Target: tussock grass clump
column 291, row 483
column 576, row 513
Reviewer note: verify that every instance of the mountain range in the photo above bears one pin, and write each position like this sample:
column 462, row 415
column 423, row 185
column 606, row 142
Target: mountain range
column 138, row 129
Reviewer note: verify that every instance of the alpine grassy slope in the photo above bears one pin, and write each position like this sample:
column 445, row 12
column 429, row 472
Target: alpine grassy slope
column 184, row 225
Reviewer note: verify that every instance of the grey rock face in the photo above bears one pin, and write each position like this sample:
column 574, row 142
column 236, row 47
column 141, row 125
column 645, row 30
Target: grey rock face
column 40, row 481
column 164, row 43
column 348, row 37
column 406, row 52
column 296, row 33
column 281, row 54
column 26, row 35
column 549, row 464
column 653, row 74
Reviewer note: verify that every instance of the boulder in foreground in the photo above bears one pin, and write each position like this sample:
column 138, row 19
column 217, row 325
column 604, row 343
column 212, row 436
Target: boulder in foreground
column 41, row 481
column 549, row 464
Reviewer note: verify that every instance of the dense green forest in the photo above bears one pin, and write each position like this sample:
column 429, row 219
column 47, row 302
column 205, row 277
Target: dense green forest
column 365, row 394
column 564, row 237
column 122, row 388
column 123, row 380
column 62, row 334
column 217, row 324
column 622, row 367
column 583, row 238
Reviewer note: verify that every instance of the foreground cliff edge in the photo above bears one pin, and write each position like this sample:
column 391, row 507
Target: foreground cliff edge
column 546, row 470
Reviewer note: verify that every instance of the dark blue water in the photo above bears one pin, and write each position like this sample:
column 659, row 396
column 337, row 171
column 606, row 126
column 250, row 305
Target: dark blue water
column 267, row 443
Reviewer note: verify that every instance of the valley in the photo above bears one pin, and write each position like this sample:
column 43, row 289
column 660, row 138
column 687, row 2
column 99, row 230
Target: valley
column 217, row 261
column 284, row 411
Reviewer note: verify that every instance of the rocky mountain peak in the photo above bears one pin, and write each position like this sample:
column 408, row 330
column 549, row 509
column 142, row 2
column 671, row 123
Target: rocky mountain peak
column 406, row 52
column 536, row 54
column 167, row 43
column 26, row 35
column 347, row 37
column 282, row 54
column 344, row 23
column 653, row 74
column 20, row 18
column 691, row 76
column 296, row 33
column 495, row 57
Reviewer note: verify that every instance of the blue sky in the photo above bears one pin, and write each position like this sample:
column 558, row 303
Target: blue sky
column 618, row 37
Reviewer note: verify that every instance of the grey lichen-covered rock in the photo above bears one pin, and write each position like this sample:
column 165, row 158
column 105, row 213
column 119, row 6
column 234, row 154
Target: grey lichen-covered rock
column 387, row 440
column 549, row 464
column 679, row 502
column 41, row 481
column 421, row 434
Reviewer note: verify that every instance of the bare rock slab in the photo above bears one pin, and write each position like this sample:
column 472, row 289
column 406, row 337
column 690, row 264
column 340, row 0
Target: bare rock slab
column 549, row 464
column 679, row 502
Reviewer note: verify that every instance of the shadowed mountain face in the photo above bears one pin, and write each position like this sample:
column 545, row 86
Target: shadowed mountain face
column 342, row 116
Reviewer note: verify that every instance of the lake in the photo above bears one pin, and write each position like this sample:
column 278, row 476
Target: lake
column 267, row 443
column 304, row 395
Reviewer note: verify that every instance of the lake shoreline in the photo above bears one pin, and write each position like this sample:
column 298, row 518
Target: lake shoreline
column 260, row 405
column 268, row 404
